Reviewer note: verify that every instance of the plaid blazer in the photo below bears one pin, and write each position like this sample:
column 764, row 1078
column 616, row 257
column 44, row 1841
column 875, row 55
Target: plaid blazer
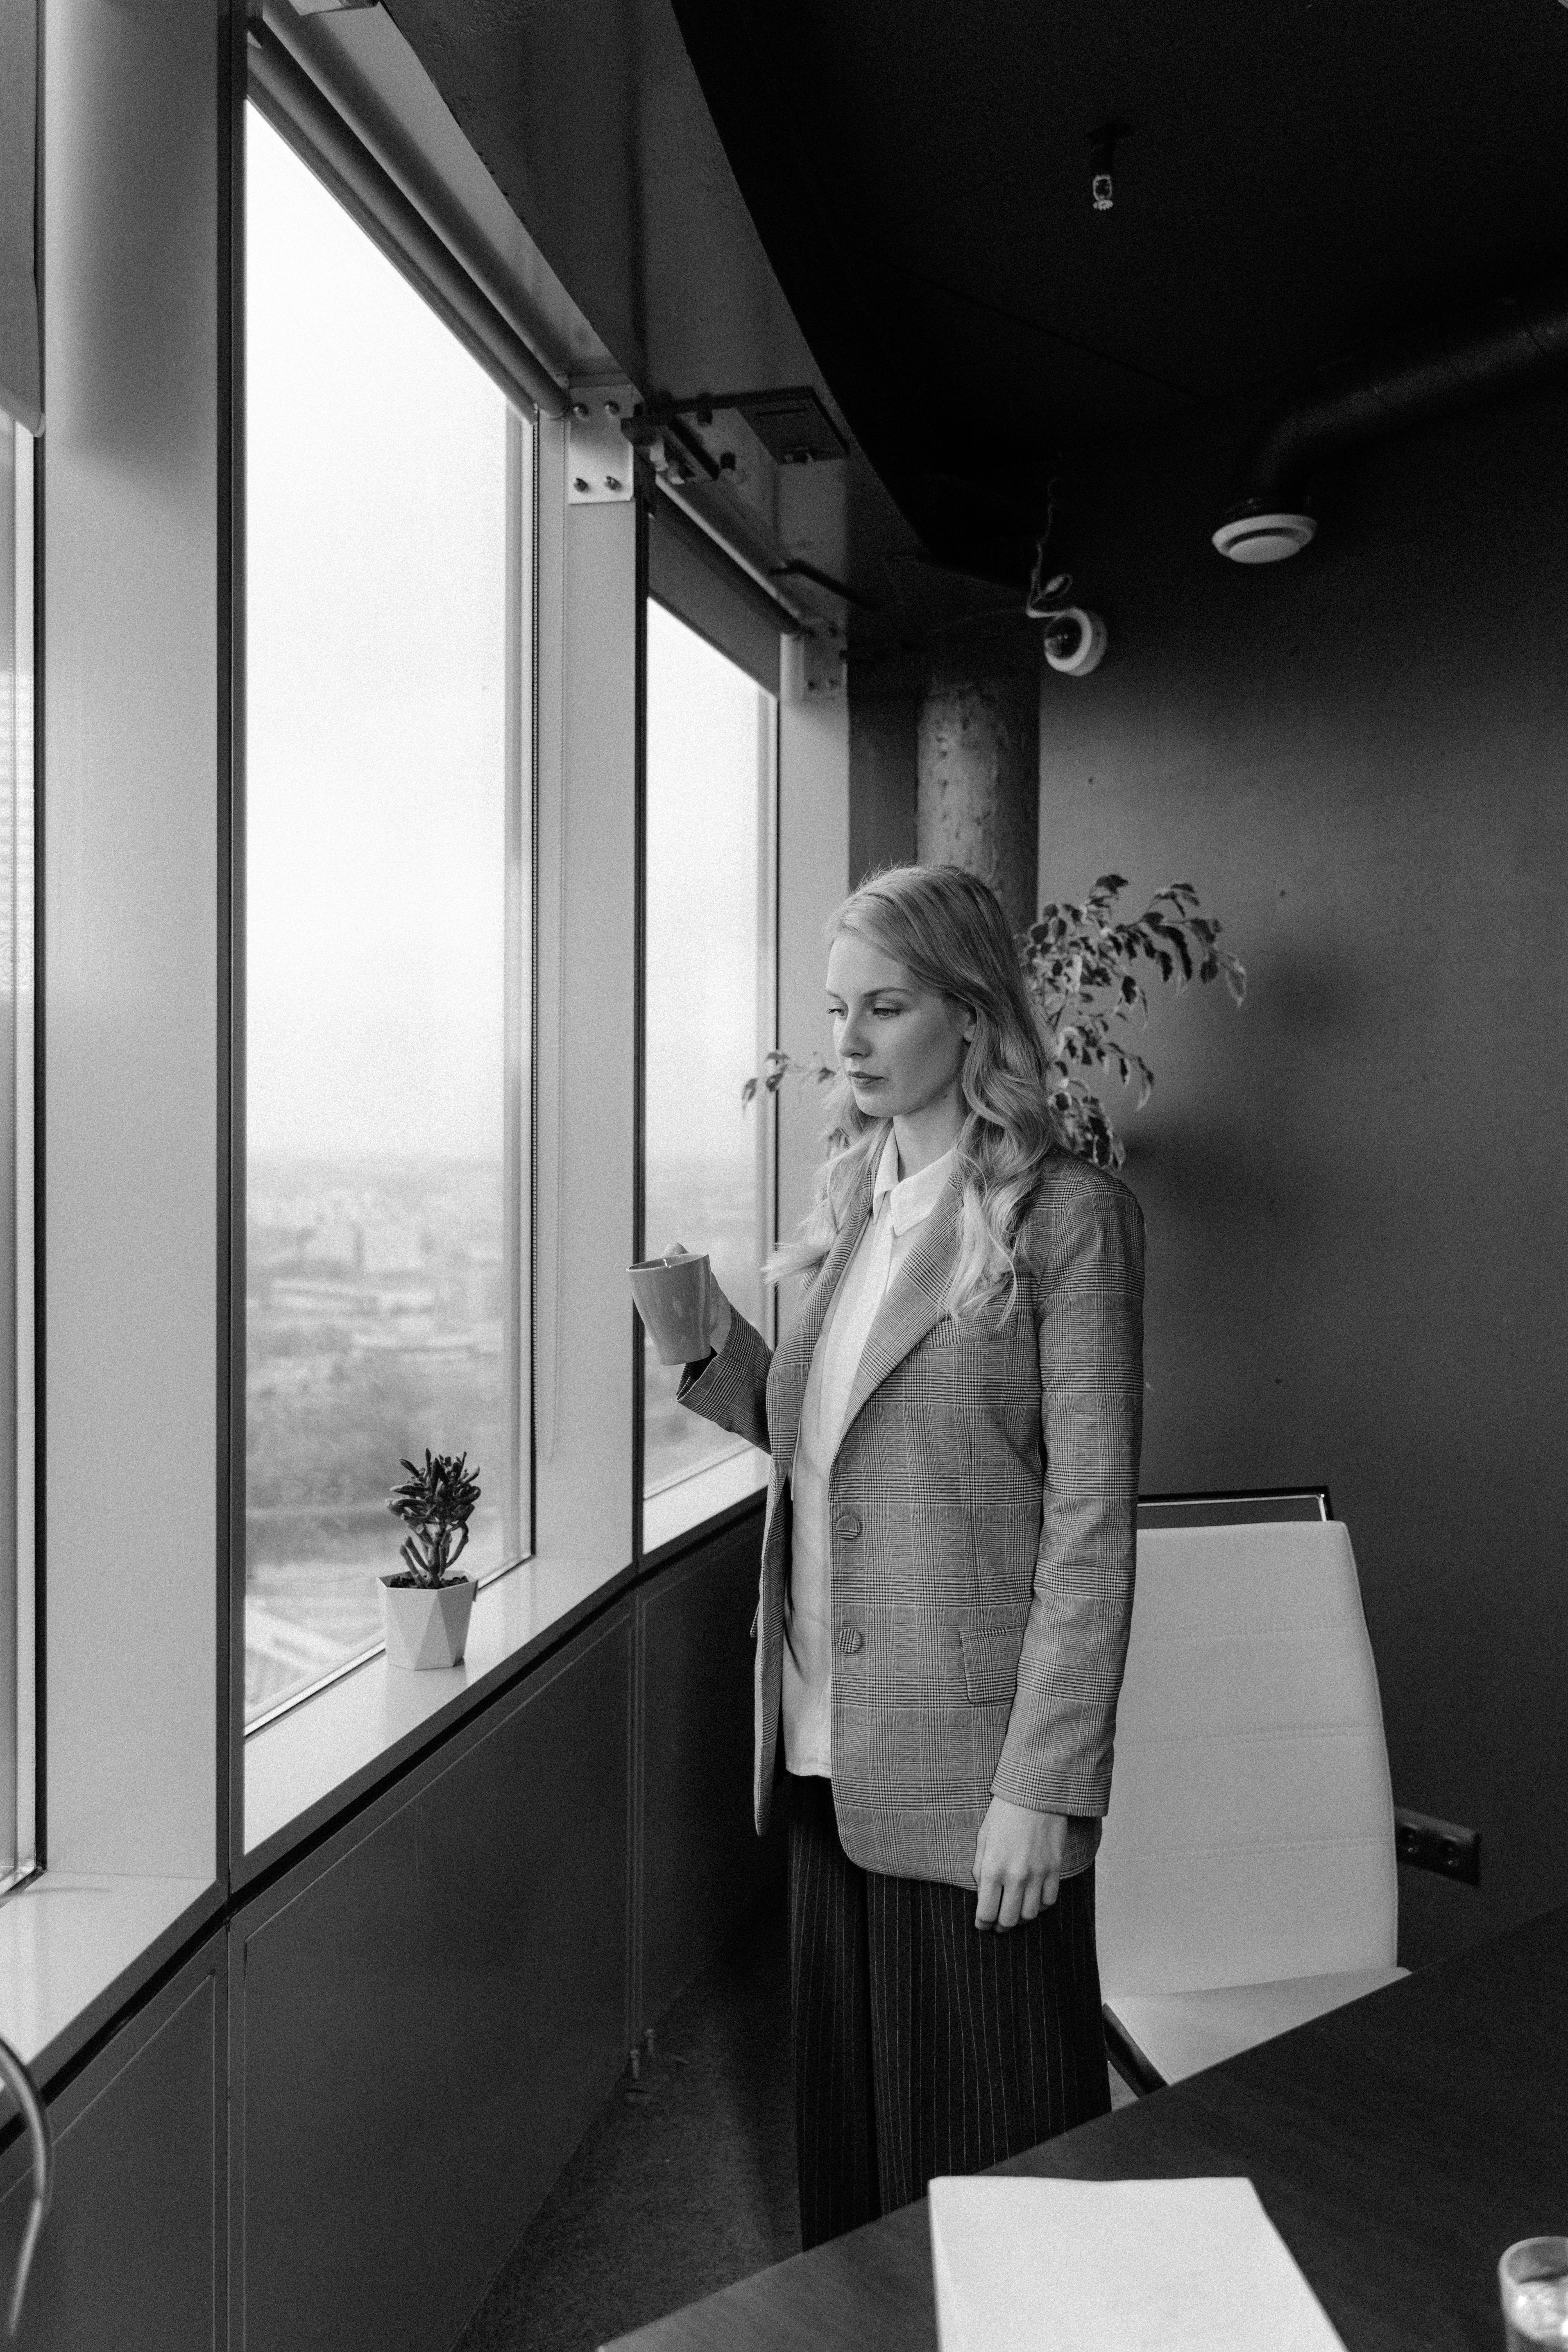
column 982, row 1516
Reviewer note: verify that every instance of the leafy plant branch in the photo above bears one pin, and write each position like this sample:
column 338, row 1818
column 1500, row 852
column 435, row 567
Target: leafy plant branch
column 1089, row 973
column 1086, row 972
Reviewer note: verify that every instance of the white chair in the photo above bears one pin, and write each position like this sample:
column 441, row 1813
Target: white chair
column 1246, row 1878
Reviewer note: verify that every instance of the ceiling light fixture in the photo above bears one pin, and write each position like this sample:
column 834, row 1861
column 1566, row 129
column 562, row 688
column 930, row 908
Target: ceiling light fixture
column 1254, row 538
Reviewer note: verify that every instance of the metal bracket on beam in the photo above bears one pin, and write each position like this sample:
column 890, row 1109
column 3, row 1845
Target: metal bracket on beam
column 824, row 673
column 676, row 457
column 598, row 454
column 793, row 425
column 814, row 667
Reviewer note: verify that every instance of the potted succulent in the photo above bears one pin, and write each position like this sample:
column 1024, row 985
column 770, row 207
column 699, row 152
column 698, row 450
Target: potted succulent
column 426, row 1608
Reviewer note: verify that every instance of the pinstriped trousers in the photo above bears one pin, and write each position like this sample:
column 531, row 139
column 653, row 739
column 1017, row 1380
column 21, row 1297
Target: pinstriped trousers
column 922, row 2045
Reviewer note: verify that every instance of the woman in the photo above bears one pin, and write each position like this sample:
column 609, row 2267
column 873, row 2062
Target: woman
column 954, row 1417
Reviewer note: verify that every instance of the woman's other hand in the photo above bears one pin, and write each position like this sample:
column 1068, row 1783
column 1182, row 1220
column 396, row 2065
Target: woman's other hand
column 1017, row 1863
column 720, row 1310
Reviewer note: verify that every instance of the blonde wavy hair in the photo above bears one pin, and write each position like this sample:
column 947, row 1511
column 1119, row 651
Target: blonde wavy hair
column 947, row 931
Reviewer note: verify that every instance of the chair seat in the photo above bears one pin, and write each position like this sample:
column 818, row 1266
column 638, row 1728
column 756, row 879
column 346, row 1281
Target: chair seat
column 1180, row 2033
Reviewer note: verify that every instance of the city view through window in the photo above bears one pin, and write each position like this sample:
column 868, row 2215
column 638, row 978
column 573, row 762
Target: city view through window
column 381, row 1231
column 710, row 732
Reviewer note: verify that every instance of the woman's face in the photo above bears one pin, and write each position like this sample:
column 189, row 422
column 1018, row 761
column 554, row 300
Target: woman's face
column 903, row 1045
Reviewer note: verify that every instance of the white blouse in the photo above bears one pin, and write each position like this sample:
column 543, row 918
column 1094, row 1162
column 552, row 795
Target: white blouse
column 898, row 1210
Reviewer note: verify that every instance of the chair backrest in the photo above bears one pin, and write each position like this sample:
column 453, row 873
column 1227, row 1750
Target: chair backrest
column 1239, row 1507
column 1250, row 1836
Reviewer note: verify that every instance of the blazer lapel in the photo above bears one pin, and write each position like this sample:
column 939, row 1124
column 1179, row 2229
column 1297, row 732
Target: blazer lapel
column 914, row 1304
column 792, row 1359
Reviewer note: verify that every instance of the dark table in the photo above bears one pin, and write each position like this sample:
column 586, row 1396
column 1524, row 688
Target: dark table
column 1399, row 2144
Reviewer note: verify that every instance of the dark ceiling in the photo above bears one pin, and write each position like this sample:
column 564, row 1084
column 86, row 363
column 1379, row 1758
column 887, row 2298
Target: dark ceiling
column 890, row 199
column 1301, row 178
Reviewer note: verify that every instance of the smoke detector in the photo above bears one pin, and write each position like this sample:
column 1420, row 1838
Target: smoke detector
column 1264, row 538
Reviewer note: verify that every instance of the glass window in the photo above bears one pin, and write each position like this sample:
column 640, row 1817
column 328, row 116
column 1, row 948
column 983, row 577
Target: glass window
column 17, row 1716
column 388, row 509
column 709, row 1010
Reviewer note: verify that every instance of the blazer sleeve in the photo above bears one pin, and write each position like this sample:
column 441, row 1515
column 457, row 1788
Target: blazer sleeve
column 731, row 1388
column 1089, row 1267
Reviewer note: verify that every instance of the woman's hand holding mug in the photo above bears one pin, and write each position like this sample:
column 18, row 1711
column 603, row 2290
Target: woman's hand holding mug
column 687, row 1314
column 719, row 1311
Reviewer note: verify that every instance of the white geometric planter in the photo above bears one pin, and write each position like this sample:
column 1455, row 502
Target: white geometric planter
column 427, row 1625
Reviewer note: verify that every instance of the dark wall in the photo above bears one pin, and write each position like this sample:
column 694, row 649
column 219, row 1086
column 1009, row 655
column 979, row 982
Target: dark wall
column 432, row 2009
column 133, row 2255
column 446, row 1992
column 884, row 702
column 1356, row 1186
column 703, row 1866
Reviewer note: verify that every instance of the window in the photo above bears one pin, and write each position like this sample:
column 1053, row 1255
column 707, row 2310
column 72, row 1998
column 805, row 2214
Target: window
column 17, row 1719
column 708, row 1011
column 388, row 629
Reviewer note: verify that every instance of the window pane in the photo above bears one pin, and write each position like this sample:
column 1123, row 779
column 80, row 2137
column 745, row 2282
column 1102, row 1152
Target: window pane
column 383, row 849
column 17, row 1726
column 710, row 733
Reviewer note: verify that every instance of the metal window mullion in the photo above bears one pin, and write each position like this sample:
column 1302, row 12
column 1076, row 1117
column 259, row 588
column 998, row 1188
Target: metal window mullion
column 766, row 1104
column 516, row 1510
column 17, row 1695
column 639, row 1015
column 23, row 976
column 10, row 794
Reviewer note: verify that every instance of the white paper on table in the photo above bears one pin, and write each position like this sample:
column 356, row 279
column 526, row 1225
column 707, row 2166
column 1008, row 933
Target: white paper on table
column 1116, row 2267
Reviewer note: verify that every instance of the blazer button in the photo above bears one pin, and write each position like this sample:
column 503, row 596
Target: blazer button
column 848, row 1640
column 847, row 1524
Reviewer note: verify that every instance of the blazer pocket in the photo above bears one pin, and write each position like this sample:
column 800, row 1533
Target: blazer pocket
column 991, row 1655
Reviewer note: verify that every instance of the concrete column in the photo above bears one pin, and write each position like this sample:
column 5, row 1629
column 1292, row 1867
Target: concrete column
column 978, row 759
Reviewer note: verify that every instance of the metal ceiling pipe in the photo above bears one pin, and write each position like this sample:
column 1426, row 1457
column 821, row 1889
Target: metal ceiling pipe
column 1472, row 359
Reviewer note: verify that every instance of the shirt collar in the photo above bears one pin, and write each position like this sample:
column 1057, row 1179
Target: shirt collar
column 913, row 1198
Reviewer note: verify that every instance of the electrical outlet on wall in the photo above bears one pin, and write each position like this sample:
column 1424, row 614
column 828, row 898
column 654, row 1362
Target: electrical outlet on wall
column 1428, row 1843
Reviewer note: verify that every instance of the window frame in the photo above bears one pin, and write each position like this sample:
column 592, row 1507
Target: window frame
column 521, row 630
column 516, row 1118
column 294, row 1775
column 696, row 595
column 325, row 1762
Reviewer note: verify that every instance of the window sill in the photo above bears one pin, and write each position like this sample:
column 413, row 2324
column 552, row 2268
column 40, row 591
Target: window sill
column 682, row 1507
column 74, row 1948
column 305, row 1765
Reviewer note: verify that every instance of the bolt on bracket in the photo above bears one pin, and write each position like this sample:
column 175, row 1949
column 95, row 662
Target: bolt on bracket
column 815, row 666
column 598, row 454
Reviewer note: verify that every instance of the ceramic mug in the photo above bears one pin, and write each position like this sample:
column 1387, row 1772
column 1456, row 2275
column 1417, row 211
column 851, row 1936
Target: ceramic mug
column 671, row 1294
column 1534, row 2278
